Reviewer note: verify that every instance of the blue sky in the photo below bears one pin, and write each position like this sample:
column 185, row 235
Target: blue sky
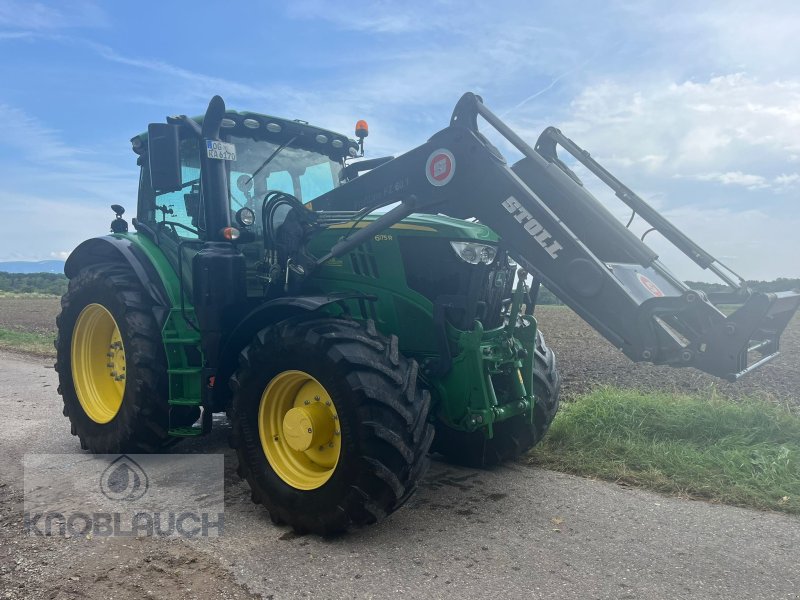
column 696, row 108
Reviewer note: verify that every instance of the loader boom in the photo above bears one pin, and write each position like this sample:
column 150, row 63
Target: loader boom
column 553, row 227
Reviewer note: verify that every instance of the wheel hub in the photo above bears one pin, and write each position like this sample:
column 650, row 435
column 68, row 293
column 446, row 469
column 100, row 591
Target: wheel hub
column 307, row 426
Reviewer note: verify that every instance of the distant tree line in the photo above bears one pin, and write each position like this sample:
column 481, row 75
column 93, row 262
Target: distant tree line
column 42, row 283
column 782, row 284
column 56, row 284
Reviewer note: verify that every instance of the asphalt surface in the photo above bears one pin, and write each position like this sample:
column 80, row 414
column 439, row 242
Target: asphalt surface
column 515, row 532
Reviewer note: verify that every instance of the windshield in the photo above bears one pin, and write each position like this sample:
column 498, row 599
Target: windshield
column 297, row 171
column 302, row 173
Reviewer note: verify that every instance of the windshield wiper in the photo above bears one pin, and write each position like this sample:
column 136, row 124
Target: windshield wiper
column 269, row 158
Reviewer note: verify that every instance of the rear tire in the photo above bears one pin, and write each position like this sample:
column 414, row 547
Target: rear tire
column 380, row 411
column 514, row 436
column 138, row 421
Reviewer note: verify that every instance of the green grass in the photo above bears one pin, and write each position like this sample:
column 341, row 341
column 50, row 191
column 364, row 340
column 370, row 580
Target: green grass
column 5, row 294
column 745, row 453
column 36, row 343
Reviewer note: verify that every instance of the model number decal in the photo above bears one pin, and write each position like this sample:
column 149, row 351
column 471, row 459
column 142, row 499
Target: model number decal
column 532, row 226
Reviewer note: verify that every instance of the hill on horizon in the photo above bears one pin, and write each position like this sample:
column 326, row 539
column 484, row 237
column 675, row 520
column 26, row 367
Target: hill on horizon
column 30, row 266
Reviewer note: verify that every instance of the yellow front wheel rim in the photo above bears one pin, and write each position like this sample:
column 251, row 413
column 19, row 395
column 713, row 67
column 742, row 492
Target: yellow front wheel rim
column 98, row 363
column 299, row 430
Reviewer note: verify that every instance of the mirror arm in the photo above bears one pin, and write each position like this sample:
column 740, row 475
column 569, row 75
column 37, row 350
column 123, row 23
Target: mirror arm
column 188, row 121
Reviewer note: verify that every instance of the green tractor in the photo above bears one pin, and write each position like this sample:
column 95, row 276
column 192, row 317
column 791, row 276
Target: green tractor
column 346, row 342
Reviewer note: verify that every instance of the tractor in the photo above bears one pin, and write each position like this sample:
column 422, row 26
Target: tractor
column 352, row 315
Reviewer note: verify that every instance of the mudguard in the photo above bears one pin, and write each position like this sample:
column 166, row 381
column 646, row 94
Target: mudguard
column 262, row 316
column 122, row 249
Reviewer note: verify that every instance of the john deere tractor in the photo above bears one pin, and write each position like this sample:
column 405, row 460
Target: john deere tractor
column 351, row 315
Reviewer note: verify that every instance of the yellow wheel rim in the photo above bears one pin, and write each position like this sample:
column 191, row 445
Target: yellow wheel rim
column 98, row 363
column 299, row 430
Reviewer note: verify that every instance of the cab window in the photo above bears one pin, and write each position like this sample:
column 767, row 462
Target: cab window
column 182, row 207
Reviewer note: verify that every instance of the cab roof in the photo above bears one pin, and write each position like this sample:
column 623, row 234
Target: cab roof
column 274, row 129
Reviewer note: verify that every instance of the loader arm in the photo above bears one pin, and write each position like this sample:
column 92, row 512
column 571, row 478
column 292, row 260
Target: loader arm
column 553, row 227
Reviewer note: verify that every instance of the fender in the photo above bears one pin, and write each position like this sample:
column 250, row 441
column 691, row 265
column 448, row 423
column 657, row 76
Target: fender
column 122, row 249
column 262, row 316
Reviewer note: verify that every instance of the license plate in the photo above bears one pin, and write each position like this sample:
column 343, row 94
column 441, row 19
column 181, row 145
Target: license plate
column 220, row 150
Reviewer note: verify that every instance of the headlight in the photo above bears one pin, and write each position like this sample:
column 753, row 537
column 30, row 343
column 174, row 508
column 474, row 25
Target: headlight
column 245, row 217
column 475, row 253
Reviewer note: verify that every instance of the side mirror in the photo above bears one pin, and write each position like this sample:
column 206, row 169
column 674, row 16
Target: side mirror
column 165, row 156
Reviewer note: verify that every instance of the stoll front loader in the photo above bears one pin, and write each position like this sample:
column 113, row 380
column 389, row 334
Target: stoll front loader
column 342, row 344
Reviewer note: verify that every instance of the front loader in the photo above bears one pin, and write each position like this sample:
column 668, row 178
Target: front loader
column 344, row 344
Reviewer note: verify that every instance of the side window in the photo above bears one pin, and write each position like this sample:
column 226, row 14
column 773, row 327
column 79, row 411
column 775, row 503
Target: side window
column 184, row 204
column 316, row 180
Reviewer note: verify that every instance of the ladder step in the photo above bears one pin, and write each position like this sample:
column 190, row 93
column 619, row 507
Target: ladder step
column 186, row 431
column 185, row 371
column 181, row 340
column 185, row 402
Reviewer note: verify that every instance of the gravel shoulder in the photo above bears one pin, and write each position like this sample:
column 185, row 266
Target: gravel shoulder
column 513, row 532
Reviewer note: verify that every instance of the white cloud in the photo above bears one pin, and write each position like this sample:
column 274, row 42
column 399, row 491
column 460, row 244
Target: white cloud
column 751, row 182
column 786, row 181
column 751, row 121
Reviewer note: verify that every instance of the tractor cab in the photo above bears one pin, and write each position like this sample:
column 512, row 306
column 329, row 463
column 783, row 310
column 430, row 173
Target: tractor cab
column 261, row 154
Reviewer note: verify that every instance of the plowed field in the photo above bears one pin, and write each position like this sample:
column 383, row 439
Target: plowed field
column 585, row 359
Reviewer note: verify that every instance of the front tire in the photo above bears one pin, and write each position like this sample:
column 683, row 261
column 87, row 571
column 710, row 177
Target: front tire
column 111, row 363
column 513, row 436
column 329, row 423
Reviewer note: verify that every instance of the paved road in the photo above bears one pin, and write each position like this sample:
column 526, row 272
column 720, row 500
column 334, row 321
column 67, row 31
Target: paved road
column 516, row 532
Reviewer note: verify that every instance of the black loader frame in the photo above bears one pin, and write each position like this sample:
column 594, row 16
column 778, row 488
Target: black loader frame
column 558, row 231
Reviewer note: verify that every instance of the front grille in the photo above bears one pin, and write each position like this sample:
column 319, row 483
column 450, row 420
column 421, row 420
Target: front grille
column 433, row 269
column 363, row 262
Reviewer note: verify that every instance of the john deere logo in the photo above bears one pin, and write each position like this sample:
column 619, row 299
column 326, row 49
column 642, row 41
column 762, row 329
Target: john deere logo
column 124, row 480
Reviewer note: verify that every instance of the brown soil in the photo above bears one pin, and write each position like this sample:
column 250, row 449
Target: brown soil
column 29, row 314
column 585, row 359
